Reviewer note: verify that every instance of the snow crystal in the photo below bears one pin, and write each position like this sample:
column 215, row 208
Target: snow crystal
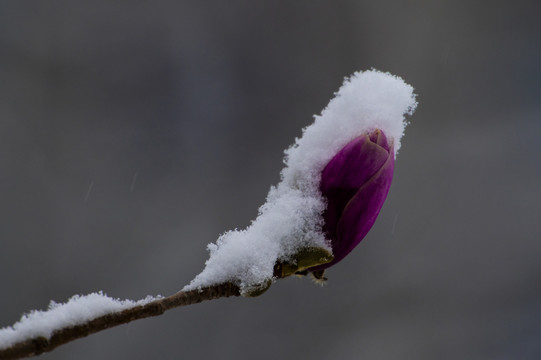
column 79, row 309
column 291, row 218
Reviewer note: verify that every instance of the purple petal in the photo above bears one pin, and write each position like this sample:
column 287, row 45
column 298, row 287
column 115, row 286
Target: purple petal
column 363, row 209
column 355, row 183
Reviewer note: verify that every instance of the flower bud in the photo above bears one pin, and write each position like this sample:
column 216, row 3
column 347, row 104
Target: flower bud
column 355, row 184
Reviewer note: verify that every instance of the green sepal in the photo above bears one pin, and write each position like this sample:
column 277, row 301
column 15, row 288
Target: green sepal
column 304, row 259
column 256, row 290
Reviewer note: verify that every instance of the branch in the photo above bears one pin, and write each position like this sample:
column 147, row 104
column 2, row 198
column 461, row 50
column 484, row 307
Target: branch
column 300, row 264
column 59, row 337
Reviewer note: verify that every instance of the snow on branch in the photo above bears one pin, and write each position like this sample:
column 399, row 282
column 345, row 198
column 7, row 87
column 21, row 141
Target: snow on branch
column 43, row 331
column 77, row 310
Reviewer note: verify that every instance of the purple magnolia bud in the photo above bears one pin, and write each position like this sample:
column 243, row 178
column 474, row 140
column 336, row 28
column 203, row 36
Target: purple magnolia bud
column 355, row 184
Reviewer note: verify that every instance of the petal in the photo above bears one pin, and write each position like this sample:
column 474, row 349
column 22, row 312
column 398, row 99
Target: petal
column 379, row 138
column 367, row 163
column 357, row 162
column 341, row 179
column 363, row 209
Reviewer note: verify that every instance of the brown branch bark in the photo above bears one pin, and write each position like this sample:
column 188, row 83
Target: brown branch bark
column 40, row 345
column 300, row 265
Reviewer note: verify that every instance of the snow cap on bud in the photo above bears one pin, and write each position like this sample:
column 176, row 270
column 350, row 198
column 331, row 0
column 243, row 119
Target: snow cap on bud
column 336, row 177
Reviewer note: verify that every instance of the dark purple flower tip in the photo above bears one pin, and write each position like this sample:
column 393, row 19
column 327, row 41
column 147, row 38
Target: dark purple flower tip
column 355, row 184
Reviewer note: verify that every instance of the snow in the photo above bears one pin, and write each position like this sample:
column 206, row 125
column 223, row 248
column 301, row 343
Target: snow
column 77, row 310
column 291, row 218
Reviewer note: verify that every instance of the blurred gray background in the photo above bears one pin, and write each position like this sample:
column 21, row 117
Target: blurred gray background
column 133, row 133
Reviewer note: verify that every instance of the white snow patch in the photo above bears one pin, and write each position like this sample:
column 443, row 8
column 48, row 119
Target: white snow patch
column 77, row 310
column 291, row 218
